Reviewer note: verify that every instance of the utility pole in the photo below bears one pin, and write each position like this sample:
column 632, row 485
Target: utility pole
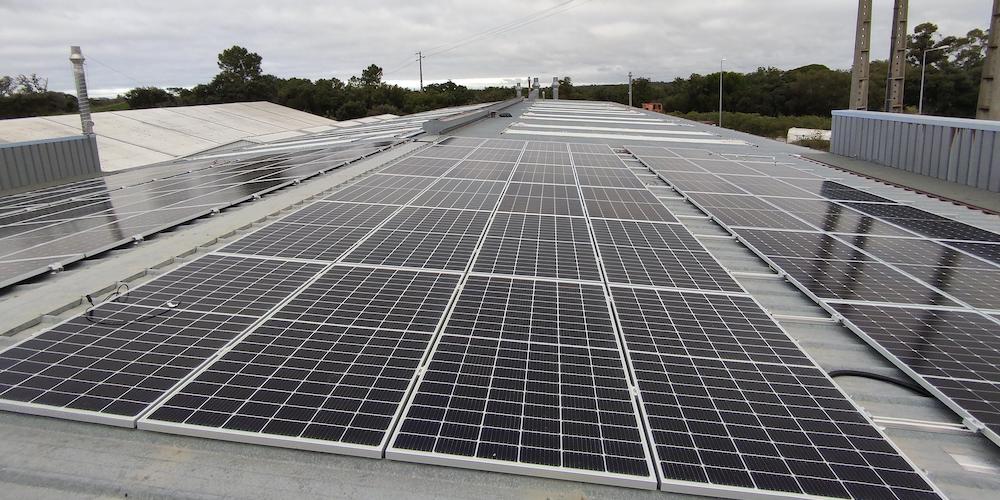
column 630, row 89
column 862, row 56
column 420, row 63
column 897, row 58
column 989, row 86
column 722, row 63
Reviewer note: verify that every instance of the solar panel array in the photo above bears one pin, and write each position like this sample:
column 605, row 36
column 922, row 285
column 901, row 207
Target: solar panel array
column 526, row 307
column 921, row 288
column 49, row 228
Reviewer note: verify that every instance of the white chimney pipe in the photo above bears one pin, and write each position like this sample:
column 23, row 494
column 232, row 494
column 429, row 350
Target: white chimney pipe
column 76, row 57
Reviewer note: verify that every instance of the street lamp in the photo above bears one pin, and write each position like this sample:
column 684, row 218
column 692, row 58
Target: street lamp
column 923, row 73
column 721, row 62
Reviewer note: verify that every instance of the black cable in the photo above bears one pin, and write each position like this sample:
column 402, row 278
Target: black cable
column 884, row 378
column 118, row 296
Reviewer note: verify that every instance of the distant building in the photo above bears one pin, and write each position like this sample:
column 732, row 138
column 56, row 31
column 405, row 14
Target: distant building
column 653, row 106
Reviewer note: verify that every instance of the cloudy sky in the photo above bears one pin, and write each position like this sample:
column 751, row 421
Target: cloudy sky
column 475, row 42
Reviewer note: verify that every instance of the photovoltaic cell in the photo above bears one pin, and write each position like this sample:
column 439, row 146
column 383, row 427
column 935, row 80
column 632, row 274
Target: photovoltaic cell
column 544, row 174
column 373, row 298
column 836, row 218
column 299, row 241
column 956, row 353
column 808, row 245
column 607, row 177
column 224, row 284
column 855, row 280
column 988, row 251
column 482, row 170
column 527, row 377
column 699, row 325
column 926, row 223
column 632, row 204
column 766, row 427
column 109, row 366
column 461, row 193
column 552, row 199
column 331, row 379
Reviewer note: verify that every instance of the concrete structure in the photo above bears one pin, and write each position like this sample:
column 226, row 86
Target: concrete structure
column 897, row 58
column 555, row 88
column 143, row 136
column 862, row 56
column 989, row 87
column 655, row 107
column 958, row 150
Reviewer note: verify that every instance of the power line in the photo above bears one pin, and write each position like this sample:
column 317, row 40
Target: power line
column 496, row 30
column 141, row 84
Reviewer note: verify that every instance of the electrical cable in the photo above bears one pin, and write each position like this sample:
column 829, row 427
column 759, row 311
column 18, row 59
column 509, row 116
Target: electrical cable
column 907, row 384
column 114, row 297
column 496, row 30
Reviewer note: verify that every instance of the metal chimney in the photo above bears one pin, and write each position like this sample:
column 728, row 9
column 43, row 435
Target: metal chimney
column 76, row 57
column 555, row 88
column 517, row 89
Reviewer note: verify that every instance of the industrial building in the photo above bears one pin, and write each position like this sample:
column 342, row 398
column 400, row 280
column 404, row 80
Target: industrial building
column 578, row 300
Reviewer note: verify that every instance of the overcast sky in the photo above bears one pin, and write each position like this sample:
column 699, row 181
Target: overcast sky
column 175, row 43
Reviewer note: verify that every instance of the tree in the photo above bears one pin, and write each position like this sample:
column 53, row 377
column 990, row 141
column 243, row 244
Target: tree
column 6, row 86
column 237, row 63
column 371, row 76
column 31, row 84
column 351, row 110
column 149, row 97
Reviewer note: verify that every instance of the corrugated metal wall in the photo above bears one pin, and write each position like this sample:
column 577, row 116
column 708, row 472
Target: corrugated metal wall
column 954, row 149
column 33, row 163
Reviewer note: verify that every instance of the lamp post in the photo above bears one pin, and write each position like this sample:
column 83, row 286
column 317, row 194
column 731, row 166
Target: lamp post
column 923, row 73
column 721, row 70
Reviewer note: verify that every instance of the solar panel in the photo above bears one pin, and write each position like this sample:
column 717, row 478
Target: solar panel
column 808, row 245
column 977, row 287
column 373, row 298
column 340, row 214
column 581, row 159
column 988, row 251
column 487, row 154
column 461, row 193
column 552, row 199
column 697, row 182
column 527, row 378
column 835, row 190
column 482, row 170
column 383, row 189
column 538, row 245
column 726, row 167
column 956, row 353
column 445, row 152
column 544, row 174
column 663, row 267
column 926, row 223
column 697, row 325
column 224, row 284
column 672, row 165
column 765, row 428
column 109, row 366
column 766, row 186
column 328, row 373
column 836, row 218
column 632, row 204
column 856, row 280
column 607, row 177
column 298, row 241
column 423, row 238
column 560, row 157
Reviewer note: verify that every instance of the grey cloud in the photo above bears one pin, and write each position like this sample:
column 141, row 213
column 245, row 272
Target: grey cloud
column 175, row 43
